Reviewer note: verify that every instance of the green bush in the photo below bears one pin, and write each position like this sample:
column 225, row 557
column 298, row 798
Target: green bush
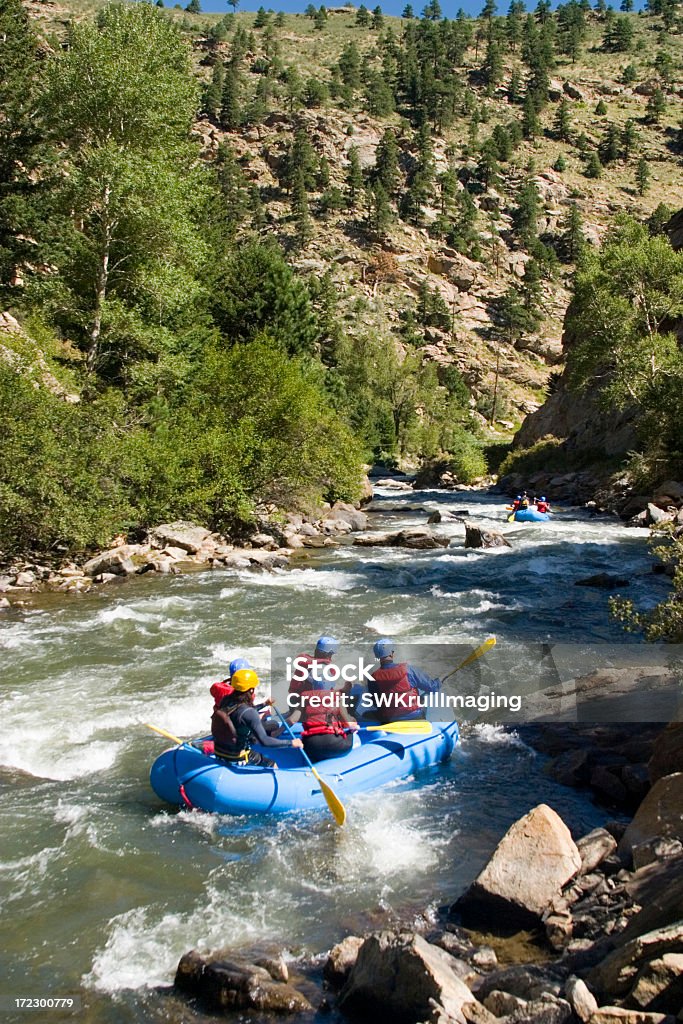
column 467, row 459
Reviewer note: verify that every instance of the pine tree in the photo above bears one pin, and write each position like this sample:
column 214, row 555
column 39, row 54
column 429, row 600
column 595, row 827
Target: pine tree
column 601, row 108
column 629, row 139
column 610, row 145
column 487, row 169
column 300, row 211
column 213, row 92
column 377, row 19
column 515, row 87
column 231, row 110
column 280, row 20
column 629, row 75
column 323, row 179
column 593, row 167
column 386, row 162
column 563, row 121
column 233, row 191
column 493, row 66
column 408, row 12
column 379, row 98
column 642, row 176
column 194, row 7
column 311, row 11
column 656, row 105
column 320, row 19
column 262, row 18
column 560, row 164
column 525, row 214
column 362, row 17
column 354, row 177
column 572, row 239
column 379, row 210
column 531, row 125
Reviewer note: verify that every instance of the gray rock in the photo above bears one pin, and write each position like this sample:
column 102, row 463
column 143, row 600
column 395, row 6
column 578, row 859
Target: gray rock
column 660, row 814
column 401, row 978
column 105, row 577
column 617, row 973
column 573, row 91
column 276, row 967
column 263, row 540
column 572, row 768
column 181, row 534
column 341, row 959
column 527, row 870
column 657, row 515
column 116, row 560
column 476, row 537
column 4, row 604
column 25, row 579
column 622, row 1015
column 581, row 999
column 655, row 849
column 420, row 538
column 526, row 981
column 594, row 847
column 545, row 1010
column 659, row 985
column 236, row 985
column 435, row 517
column 502, row 1004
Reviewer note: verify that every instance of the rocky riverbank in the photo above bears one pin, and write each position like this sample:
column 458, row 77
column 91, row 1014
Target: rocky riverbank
column 551, row 931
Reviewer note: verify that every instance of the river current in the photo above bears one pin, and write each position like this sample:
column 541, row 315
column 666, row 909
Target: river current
column 104, row 888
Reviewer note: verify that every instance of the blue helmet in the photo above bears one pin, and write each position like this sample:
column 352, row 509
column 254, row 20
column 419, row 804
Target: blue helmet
column 541, row 499
column 327, row 645
column 383, row 648
column 518, row 498
column 236, row 664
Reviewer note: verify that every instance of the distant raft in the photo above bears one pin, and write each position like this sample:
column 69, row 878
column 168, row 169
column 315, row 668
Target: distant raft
column 531, row 515
column 187, row 777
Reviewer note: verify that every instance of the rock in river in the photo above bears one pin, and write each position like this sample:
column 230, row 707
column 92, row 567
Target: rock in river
column 235, row 985
column 476, row 537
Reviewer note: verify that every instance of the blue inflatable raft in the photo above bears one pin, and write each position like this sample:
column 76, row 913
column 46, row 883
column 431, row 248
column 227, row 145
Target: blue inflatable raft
column 531, row 515
column 185, row 776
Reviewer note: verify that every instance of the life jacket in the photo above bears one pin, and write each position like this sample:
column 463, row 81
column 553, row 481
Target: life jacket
column 321, row 719
column 394, row 679
column 229, row 732
column 542, row 506
column 219, row 691
column 515, row 505
column 308, row 662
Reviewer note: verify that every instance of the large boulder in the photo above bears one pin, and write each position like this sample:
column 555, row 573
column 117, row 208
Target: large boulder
column 226, row 985
column 622, row 1015
column 581, row 999
column 476, row 537
column 617, row 975
column 659, row 985
column 660, row 814
column 341, row 959
column 594, row 847
column 420, row 538
column 401, row 978
column 527, row 870
column 180, row 534
column 342, row 512
column 116, row 560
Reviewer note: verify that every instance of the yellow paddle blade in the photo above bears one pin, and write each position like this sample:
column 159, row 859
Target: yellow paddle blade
column 162, row 732
column 486, row 646
column 511, row 518
column 337, row 809
column 419, row 727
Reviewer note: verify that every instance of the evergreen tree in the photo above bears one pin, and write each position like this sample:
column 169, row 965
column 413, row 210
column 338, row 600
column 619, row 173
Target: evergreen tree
column 231, row 109
column 349, row 67
column 233, row 203
column 629, row 75
column 432, row 12
column 626, row 5
column 513, row 24
column 487, row 168
column 610, row 145
column 656, row 105
column 408, row 12
column 379, row 98
column 377, row 19
column 379, row 210
column 213, row 92
column 658, row 219
column 320, row 19
column 262, row 18
column 572, row 238
column 386, row 162
column 532, row 292
column 493, row 66
column 525, row 214
column 593, row 167
column 629, row 139
column 300, row 210
column 194, row 7
column 563, row 120
column 323, row 179
column 22, row 150
column 362, row 17
column 560, row 164
column 531, row 125
column 354, row 177
column 515, row 87
column 280, row 20
column 601, row 108
column 642, row 176
column 311, row 11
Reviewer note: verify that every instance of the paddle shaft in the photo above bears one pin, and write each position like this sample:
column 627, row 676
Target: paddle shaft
column 334, row 804
column 162, row 732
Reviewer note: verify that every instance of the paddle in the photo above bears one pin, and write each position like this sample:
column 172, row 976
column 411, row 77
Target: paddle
column 486, row 646
column 336, row 807
column 416, row 727
column 162, row 732
column 511, row 517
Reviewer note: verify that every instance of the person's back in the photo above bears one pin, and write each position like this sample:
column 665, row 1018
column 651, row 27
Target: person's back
column 397, row 686
column 236, row 724
column 308, row 668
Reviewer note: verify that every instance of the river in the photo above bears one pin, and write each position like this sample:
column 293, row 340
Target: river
column 104, row 888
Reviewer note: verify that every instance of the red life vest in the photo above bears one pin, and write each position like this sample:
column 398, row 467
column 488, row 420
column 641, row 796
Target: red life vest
column 308, row 662
column 220, row 690
column 320, row 719
column 394, row 679
column 542, row 506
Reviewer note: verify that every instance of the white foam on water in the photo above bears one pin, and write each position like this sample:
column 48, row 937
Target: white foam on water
column 330, row 580
column 497, row 735
column 41, row 757
column 388, row 624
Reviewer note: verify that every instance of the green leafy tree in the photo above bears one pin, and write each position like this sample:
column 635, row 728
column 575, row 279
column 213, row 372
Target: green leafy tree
column 122, row 99
column 22, row 147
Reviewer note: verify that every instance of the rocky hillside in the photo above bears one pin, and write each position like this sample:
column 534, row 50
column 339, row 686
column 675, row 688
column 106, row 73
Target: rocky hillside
column 441, row 278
